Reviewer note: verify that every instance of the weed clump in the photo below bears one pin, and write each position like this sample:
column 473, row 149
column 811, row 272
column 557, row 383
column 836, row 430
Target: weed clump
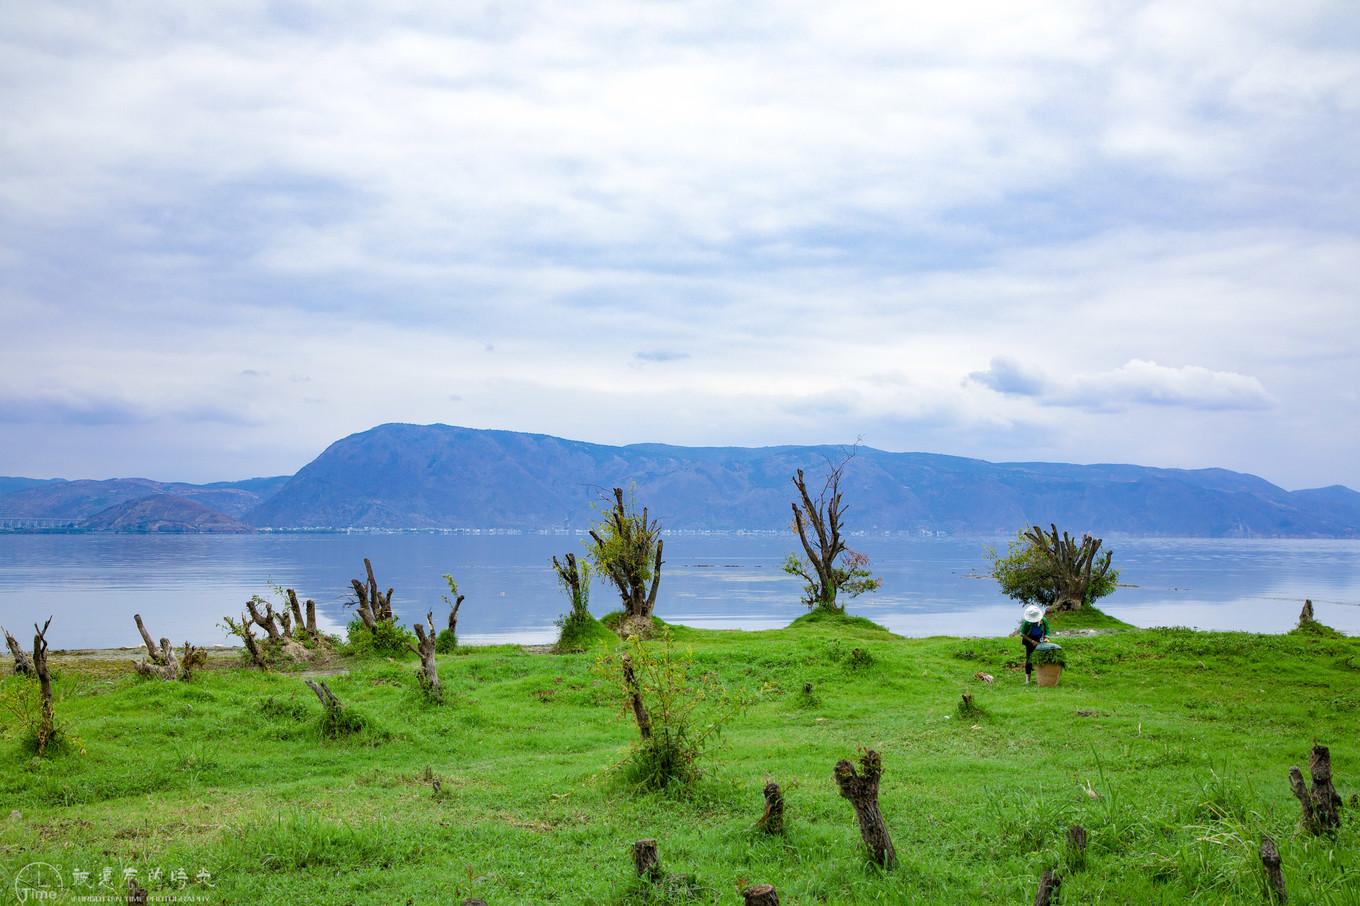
column 446, row 642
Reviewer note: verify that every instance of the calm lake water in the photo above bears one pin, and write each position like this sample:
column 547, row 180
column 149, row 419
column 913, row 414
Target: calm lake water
column 183, row 585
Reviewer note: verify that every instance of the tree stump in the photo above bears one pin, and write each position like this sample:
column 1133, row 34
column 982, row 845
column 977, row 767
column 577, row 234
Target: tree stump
column 22, row 662
column 1270, row 858
column 761, row 895
column 772, row 822
column 48, row 726
column 474, row 901
column 374, row 606
column 248, row 639
column 268, row 622
column 429, row 670
column 646, row 860
column 152, row 653
column 862, row 791
column 136, row 894
column 1321, row 805
column 1049, row 882
column 1076, row 846
column 1306, row 615
column 329, row 701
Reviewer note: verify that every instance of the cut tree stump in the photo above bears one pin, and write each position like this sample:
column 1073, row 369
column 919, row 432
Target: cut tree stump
column 861, row 788
column 429, row 670
column 760, row 895
column 136, row 894
column 1306, row 615
column 152, row 652
column 1049, row 882
column 22, row 662
column 772, row 822
column 1270, row 858
column 1076, row 846
column 1321, row 805
column 374, row 606
column 646, row 860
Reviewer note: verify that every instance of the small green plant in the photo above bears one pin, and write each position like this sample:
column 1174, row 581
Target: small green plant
column 967, row 708
column 859, row 659
column 680, row 718
column 383, row 640
column 446, row 642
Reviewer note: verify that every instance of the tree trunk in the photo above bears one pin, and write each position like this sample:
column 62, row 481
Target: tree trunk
column 429, row 672
column 47, row 728
column 248, row 639
column 646, row 860
column 772, row 822
column 22, row 662
column 1049, row 882
column 151, row 652
column 1076, row 846
column 296, row 607
column 862, row 791
column 1321, row 805
column 644, row 721
column 760, row 895
column 1270, row 858
column 266, row 622
column 136, row 895
column 374, row 606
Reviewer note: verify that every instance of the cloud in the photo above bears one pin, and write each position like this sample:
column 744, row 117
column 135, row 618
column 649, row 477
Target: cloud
column 1136, row 383
column 1007, row 375
column 1149, row 384
column 660, row 355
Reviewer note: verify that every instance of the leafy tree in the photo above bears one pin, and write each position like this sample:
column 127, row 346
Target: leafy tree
column 625, row 547
column 1041, row 568
column 828, row 566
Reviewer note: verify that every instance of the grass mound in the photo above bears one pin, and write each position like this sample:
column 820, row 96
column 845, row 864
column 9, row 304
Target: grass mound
column 583, row 633
column 1089, row 617
column 825, row 618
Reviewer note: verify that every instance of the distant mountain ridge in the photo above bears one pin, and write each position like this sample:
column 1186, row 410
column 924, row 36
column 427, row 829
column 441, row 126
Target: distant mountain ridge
column 433, row 477
column 399, row 476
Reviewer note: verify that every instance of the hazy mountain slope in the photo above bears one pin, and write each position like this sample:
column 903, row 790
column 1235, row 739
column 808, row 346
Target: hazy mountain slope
column 163, row 513
column 438, row 476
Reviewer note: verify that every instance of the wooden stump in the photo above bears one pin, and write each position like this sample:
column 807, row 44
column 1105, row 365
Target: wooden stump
column 761, row 895
column 1076, row 846
column 22, row 662
column 1306, row 615
column 1049, row 882
column 772, row 822
column 862, row 791
column 474, row 901
column 646, row 860
column 1321, row 805
column 47, row 729
column 1270, row 858
column 136, row 895
column 429, row 670
column 161, row 662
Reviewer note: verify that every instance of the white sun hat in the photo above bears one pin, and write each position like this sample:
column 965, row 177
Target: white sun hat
column 1034, row 613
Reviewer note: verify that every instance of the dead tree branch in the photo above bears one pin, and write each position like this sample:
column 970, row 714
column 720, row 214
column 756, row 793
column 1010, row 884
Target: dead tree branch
column 22, row 662
column 1321, row 805
column 429, row 670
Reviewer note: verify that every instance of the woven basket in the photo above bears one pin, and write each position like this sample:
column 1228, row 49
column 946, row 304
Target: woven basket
column 1048, row 674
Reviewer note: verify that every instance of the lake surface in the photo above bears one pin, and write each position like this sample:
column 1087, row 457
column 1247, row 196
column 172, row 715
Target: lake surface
column 183, row 585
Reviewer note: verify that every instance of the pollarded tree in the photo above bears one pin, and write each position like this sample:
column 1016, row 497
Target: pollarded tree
column 828, row 566
column 1054, row 572
column 625, row 546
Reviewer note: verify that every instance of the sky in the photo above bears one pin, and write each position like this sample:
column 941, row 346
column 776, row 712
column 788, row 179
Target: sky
column 232, row 233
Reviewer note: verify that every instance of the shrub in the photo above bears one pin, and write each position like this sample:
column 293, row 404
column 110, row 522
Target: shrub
column 684, row 716
column 1053, row 655
column 446, row 642
column 581, row 632
column 383, row 640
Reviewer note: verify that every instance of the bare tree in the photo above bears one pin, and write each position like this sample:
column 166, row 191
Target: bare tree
column 828, row 566
column 428, row 674
column 374, row 606
column 626, row 547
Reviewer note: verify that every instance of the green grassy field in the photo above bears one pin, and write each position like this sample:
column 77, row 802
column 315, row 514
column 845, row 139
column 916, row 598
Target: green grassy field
column 1170, row 747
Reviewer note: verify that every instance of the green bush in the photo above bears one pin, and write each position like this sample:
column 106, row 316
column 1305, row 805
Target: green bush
column 1044, row 656
column 612, row 620
column 581, row 632
column 686, row 715
column 446, row 642
column 383, row 640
